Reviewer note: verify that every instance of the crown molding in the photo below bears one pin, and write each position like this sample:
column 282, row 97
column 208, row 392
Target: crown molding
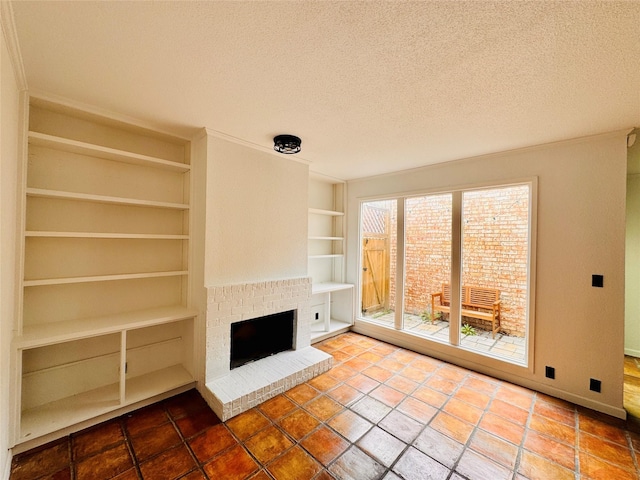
column 13, row 46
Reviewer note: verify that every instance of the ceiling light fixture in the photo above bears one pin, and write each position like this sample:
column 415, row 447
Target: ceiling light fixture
column 286, row 144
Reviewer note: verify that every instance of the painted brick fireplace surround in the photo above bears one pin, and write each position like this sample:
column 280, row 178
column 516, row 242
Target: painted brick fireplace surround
column 230, row 392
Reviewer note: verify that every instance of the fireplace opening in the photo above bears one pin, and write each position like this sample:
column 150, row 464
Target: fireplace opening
column 261, row 337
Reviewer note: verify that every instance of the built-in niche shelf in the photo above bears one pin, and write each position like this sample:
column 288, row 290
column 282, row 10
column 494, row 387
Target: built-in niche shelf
column 332, row 299
column 105, row 318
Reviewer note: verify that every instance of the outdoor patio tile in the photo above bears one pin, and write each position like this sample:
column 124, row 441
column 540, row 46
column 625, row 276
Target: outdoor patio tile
column 382, row 446
column 452, row 427
column 439, row 446
column 350, row 425
column 363, row 383
column 415, row 465
column 535, row 467
column 550, row 449
column 299, row 423
column 401, row 426
column 474, row 465
column 325, row 445
column 495, row 448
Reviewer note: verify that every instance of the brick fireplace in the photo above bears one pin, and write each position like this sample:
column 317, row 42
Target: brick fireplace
column 233, row 391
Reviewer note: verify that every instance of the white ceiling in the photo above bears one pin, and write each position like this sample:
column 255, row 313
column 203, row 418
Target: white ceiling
column 370, row 87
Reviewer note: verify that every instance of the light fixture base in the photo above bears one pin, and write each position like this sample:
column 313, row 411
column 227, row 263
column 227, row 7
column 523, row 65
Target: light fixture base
column 287, row 144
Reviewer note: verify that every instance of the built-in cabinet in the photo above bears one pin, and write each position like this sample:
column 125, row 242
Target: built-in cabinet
column 105, row 321
column 332, row 299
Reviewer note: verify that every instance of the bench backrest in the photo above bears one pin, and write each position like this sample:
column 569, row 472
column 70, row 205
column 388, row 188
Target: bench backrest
column 479, row 297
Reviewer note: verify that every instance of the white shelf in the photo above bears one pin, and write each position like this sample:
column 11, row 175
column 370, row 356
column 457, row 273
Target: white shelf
column 144, row 236
column 319, row 333
column 319, row 211
column 73, row 146
column 40, row 192
column 57, row 332
column 329, row 287
column 68, row 411
column 155, row 383
column 102, row 278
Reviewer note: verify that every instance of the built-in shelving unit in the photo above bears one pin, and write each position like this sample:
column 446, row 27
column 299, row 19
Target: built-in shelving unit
column 105, row 319
column 332, row 299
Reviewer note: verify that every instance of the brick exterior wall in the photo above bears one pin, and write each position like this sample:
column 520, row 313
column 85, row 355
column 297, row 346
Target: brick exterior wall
column 495, row 250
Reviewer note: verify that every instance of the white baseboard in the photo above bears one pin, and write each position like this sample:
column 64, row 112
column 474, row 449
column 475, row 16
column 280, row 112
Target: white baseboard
column 632, row 352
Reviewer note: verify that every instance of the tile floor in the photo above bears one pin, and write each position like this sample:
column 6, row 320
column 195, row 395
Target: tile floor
column 382, row 412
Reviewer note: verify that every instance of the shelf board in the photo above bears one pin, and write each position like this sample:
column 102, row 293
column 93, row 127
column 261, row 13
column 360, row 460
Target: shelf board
column 107, row 153
column 319, row 211
column 329, row 255
column 58, row 332
column 68, row 411
column 154, row 383
column 326, row 238
column 327, row 287
column 318, row 333
column 86, row 197
column 101, row 278
column 144, row 236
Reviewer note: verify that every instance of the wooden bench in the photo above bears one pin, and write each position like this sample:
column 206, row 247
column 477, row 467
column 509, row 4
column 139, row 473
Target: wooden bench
column 473, row 298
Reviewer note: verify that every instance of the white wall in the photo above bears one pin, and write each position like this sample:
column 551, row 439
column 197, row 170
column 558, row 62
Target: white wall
column 632, row 298
column 579, row 329
column 256, row 219
column 9, row 123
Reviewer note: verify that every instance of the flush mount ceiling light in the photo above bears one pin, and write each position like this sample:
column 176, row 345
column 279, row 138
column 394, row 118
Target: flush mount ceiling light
column 286, row 144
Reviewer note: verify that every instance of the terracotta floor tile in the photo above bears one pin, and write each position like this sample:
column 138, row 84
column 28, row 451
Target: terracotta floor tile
column 387, row 395
column 378, row 373
column 131, row 474
column 353, row 350
column 605, row 450
column 415, row 465
column 370, row 357
column 325, row 445
column 555, row 412
column 299, row 423
column 247, row 424
column 509, row 411
column 405, row 356
column 277, row 407
column 268, row 444
column 550, row 449
column 45, row 460
column 155, row 440
column 559, row 431
column 502, row 428
column 463, row 411
column 357, row 364
column 345, row 394
column 96, row 439
column 233, row 464
column 401, row 426
column 261, row 475
column 172, row 463
column 105, row 464
column 350, row 425
column 333, row 343
column 518, row 397
column 211, row 442
column 363, row 383
column 534, row 467
column 414, row 373
column 453, row 373
column 495, row 448
column 391, row 364
column 354, row 464
column 340, row 356
column 186, row 403
column 452, row 427
column 593, row 468
column 295, row 464
column 323, row 408
column 371, row 409
column 384, row 349
column 602, row 429
column 441, row 384
column 145, row 419
column 430, row 396
column 196, row 422
column 480, row 385
column 323, row 382
column 426, row 364
column 342, row 372
column 438, row 446
column 402, row 384
column 472, row 397
column 382, row 446
column 474, row 465
column 417, row 410
column 302, row 393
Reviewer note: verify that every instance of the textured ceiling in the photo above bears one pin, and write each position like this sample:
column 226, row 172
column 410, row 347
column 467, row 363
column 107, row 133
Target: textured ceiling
column 371, row 87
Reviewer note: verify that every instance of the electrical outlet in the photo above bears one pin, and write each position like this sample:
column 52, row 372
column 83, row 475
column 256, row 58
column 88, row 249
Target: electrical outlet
column 595, row 385
column 597, row 281
column 317, row 316
column 550, row 372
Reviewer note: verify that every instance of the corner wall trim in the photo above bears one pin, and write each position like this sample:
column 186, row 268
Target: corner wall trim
column 11, row 37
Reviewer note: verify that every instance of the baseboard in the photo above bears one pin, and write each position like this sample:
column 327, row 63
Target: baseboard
column 632, row 352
